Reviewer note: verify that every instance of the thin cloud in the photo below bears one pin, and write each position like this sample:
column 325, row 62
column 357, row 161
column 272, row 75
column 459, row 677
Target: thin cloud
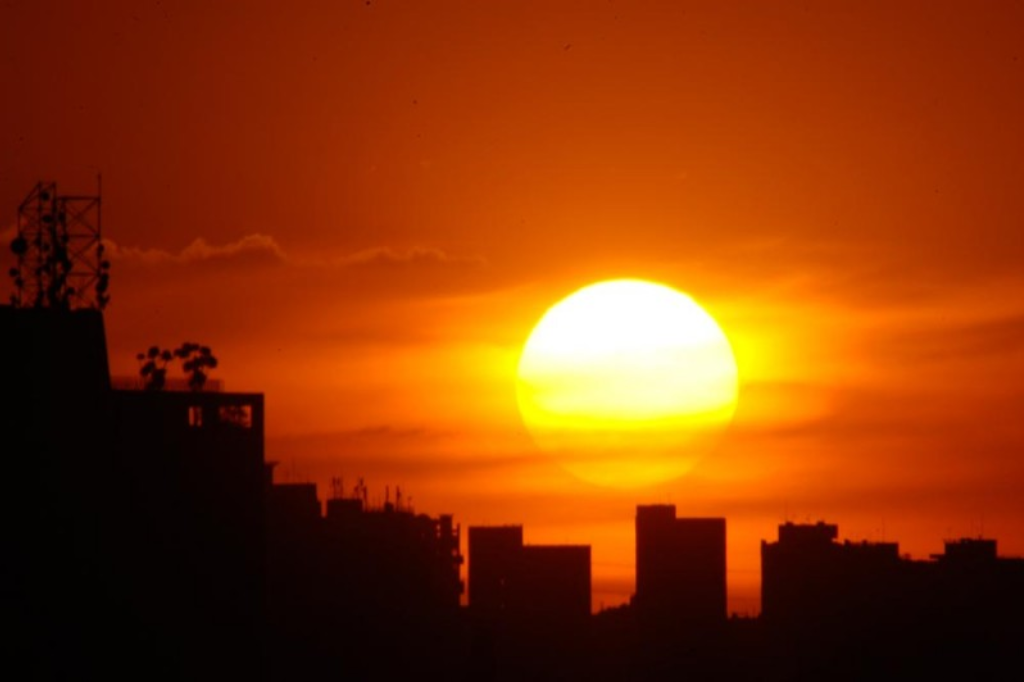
column 199, row 250
column 417, row 255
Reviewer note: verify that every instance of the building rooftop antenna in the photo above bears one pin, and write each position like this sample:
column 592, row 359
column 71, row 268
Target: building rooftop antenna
column 60, row 252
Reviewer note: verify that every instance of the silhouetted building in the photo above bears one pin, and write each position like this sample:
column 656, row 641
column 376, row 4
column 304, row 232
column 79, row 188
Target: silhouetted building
column 144, row 535
column 493, row 554
column 975, row 598
column 680, row 568
column 291, row 505
column 853, row 610
column 529, row 606
column 149, row 544
column 810, row 579
column 374, row 592
column 193, row 470
column 58, row 541
column 542, row 584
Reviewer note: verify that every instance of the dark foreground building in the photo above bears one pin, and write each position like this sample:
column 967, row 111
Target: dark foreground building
column 145, row 537
column 680, row 569
column 542, row 585
column 530, row 606
column 134, row 520
column 858, row 610
column 368, row 592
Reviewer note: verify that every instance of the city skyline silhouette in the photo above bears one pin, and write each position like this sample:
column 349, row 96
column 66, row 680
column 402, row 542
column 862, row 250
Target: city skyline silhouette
column 539, row 268
column 835, row 189
column 169, row 545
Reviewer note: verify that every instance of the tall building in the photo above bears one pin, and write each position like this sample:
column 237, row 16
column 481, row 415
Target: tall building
column 534, row 584
column 359, row 588
column 808, row 578
column 680, row 568
column 149, row 543
column 860, row 610
column 493, row 554
column 529, row 606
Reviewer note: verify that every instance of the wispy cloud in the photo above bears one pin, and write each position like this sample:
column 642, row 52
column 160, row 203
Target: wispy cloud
column 417, row 255
column 199, row 250
column 262, row 245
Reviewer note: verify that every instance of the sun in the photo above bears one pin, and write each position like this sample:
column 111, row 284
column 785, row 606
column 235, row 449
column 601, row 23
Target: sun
column 627, row 383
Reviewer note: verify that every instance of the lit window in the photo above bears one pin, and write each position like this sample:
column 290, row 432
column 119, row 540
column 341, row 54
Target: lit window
column 236, row 415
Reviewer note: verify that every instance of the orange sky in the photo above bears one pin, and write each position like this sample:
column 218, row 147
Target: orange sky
column 363, row 208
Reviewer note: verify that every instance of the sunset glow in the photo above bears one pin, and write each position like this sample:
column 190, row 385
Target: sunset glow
column 627, row 382
column 365, row 209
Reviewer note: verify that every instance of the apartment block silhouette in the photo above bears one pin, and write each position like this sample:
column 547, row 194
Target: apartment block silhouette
column 680, row 568
column 509, row 580
column 136, row 518
column 845, row 610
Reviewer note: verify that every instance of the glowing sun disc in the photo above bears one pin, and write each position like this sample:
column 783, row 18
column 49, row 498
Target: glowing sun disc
column 627, row 382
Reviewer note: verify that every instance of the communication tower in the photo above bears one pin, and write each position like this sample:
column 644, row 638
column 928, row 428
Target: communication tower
column 60, row 251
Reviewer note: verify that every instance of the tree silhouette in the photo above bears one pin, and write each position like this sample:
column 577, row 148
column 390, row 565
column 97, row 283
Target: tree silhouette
column 196, row 361
column 154, row 367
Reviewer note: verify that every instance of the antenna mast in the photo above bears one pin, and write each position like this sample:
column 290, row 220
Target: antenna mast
column 60, row 251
